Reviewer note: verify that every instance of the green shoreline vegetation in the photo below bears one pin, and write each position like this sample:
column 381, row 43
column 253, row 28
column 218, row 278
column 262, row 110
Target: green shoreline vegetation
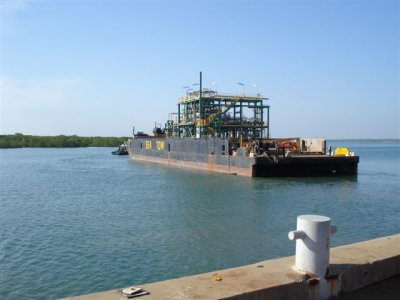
column 20, row 140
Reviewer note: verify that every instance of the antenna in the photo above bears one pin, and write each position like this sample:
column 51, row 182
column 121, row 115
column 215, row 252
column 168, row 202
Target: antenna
column 201, row 83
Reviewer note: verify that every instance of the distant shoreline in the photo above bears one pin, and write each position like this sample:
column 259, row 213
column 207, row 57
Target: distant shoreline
column 367, row 140
column 20, row 140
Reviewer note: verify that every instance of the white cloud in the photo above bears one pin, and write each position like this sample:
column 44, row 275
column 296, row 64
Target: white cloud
column 27, row 103
column 36, row 93
column 13, row 5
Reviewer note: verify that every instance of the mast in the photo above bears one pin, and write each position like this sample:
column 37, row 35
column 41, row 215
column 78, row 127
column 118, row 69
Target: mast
column 200, row 114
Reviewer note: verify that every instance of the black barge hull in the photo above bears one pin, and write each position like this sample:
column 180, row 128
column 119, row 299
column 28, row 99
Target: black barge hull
column 216, row 155
column 303, row 166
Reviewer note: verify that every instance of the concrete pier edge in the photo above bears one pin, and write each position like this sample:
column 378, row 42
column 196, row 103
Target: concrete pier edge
column 352, row 267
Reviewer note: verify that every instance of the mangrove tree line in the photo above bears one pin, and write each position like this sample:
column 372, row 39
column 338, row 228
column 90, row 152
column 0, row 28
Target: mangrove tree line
column 20, row 140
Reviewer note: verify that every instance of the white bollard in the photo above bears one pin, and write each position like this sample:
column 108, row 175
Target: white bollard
column 312, row 244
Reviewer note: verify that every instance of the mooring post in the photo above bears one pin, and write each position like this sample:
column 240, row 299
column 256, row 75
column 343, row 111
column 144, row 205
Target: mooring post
column 312, row 244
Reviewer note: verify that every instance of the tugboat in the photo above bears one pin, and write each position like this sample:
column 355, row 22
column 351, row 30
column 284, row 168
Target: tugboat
column 122, row 150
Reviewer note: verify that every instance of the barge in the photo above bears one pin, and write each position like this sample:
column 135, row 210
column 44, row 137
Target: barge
column 229, row 133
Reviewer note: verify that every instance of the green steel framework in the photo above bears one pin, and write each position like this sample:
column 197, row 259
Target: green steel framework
column 206, row 113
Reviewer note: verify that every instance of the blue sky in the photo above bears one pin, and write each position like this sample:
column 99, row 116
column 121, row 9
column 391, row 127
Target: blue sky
column 86, row 67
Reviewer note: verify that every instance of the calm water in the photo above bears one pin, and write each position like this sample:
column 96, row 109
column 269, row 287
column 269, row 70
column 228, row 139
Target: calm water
column 76, row 221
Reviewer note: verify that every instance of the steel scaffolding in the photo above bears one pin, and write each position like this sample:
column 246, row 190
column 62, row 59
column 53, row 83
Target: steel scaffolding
column 206, row 113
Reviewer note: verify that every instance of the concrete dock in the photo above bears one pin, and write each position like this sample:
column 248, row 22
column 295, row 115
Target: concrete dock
column 352, row 267
column 388, row 289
